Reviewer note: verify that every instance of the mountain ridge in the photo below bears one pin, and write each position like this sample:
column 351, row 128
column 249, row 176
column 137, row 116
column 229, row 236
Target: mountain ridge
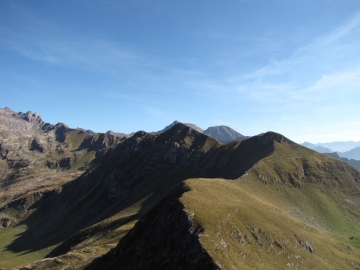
column 333, row 146
column 223, row 134
column 305, row 175
column 164, row 183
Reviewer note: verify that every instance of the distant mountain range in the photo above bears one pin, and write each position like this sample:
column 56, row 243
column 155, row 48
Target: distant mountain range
column 332, row 146
column 317, row 147
column 353, row 162
column 351, row 154
column 223, row 134
column 349, row 150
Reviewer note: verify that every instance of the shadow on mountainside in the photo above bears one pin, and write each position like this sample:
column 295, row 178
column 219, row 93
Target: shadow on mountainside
column 143, row 168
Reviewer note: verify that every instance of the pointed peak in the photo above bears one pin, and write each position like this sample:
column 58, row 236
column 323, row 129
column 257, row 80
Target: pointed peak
column 139, row 133
column 179, row 127
column 193, row 126
column 61, row 125
column 273, row 136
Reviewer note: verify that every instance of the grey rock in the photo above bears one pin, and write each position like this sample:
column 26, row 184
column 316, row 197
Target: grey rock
column 224, row 134
column 307, row 246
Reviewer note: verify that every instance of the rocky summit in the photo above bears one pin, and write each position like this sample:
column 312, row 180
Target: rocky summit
column 224, row 134
column 176, row 199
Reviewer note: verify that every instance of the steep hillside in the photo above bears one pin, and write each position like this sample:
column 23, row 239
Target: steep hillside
column 121, row 185
column 224, row 134
column 90, row 211
column 128, row 181
column 294, row 208
column 34, row 152
column 37, row 159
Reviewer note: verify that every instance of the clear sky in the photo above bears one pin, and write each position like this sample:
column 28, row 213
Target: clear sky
column 289, row 66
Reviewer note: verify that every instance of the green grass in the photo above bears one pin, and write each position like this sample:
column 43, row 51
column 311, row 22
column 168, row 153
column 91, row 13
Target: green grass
column 248, row 226
column 100, row 238
column 75, row 138
column 10, row 259
column 294, row 195
column 84, row 158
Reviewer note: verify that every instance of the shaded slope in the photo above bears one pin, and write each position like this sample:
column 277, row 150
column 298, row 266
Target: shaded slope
column 131, row 178
column 165, row 238
column 293, row 208
column 144, row 167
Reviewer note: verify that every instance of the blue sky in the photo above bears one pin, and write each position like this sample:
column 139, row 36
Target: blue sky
column 290, row 66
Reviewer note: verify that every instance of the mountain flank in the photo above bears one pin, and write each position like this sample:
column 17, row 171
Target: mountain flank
column 281, row 213
column 259, row 202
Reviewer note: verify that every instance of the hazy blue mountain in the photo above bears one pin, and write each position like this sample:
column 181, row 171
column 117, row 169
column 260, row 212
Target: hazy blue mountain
column 351, row 154
column 341, row 146
column 335, row 146
column 317, row 147
column 352, row 162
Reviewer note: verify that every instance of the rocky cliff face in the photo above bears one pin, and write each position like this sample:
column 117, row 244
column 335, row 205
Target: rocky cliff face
column 20, row 123
column 32, row 149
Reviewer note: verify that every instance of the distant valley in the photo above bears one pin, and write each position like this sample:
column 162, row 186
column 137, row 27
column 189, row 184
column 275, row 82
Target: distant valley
column 178, row 198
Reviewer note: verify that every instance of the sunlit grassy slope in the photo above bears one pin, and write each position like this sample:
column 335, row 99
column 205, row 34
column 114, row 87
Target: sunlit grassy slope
column 294, row 209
